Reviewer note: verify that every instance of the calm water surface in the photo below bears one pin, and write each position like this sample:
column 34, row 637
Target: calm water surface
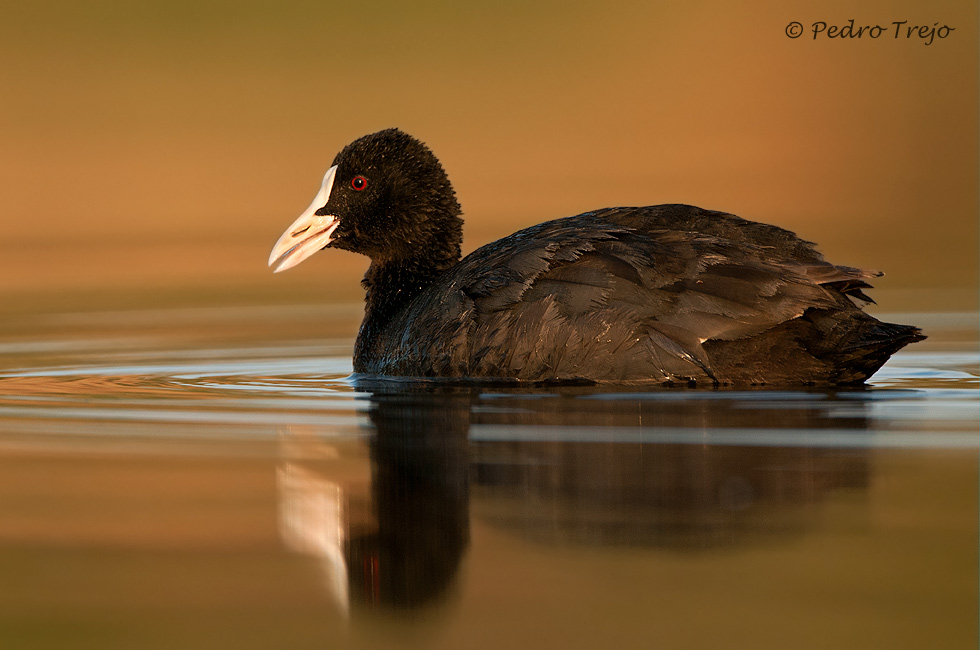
column 215, row 478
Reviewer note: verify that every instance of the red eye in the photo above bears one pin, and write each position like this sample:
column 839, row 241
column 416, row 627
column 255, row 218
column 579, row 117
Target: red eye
column 358, row 183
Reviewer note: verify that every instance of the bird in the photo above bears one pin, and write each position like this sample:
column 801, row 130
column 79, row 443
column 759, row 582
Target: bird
column 666, row 294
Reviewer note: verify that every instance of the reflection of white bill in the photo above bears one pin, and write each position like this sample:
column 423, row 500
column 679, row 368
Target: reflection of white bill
column 311, row 522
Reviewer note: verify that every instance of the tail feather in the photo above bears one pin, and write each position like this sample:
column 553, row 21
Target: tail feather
column 871, row 347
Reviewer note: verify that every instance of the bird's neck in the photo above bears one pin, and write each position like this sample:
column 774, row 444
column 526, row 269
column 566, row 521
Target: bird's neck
column 391, row 285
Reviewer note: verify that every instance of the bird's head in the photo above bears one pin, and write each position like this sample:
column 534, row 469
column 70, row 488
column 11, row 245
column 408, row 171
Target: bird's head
column 385, row 196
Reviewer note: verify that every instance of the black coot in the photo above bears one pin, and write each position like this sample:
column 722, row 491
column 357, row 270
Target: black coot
column 667, row 293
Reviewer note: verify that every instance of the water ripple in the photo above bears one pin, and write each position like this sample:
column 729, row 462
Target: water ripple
column 925, row 399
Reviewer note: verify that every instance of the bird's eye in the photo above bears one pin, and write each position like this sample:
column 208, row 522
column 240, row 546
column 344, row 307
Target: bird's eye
column 358, row 183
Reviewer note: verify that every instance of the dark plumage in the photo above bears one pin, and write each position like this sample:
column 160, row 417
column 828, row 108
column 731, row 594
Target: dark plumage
column 669, row 293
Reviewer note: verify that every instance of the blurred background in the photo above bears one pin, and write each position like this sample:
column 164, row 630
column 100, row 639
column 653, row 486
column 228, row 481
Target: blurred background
column 154, row 151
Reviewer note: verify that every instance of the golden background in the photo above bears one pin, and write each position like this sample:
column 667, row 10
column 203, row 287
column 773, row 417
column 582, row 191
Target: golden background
column 154, row 151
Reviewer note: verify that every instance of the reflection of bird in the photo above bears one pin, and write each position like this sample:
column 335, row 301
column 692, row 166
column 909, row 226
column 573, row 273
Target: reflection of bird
column 666, row 293
column 679, row 496
column 646, row 469
column 421, row 496
column 396, row 545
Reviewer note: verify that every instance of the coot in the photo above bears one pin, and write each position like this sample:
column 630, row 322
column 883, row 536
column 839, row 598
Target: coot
column 667, row 293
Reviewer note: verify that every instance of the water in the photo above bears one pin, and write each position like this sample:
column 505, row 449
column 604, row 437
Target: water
column 214, row 478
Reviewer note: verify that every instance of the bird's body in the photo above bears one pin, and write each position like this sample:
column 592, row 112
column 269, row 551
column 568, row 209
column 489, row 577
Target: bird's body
column 667, row 294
